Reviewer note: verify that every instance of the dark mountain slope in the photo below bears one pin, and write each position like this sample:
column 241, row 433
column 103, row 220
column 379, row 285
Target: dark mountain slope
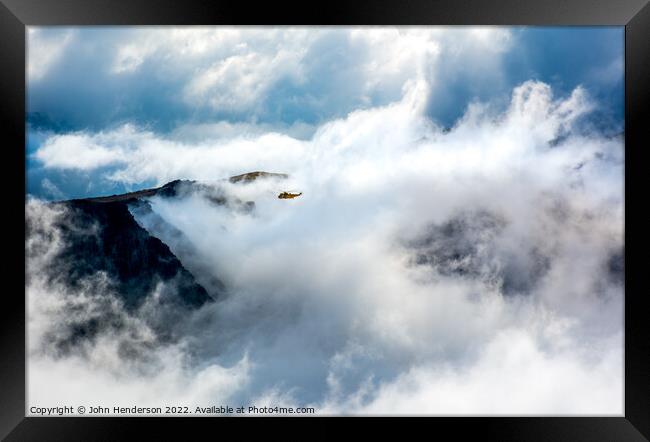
column 169, row 189
column 100, row 235
column 109, row 247
column 104, row 237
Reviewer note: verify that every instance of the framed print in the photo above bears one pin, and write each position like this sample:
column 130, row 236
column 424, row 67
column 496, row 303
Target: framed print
column 360, row 211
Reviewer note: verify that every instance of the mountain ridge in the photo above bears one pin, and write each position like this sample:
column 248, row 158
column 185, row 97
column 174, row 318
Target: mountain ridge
column 102, row 235
column 171, row 188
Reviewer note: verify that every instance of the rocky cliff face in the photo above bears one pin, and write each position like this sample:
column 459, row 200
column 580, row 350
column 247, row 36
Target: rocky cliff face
column 104, row 237
column 109, row 248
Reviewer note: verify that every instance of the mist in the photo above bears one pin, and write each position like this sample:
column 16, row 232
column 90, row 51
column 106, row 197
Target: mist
column 472, row 270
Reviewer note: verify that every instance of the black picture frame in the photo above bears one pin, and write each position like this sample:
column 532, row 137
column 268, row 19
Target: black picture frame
column 15, row 15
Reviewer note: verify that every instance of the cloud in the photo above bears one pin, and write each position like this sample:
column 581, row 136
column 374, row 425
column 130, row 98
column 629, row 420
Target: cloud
column 51, row 189
column 328, row 304
column 45, row 49
column 398, row 132
column 282, row 76
column 77, row 151
column 512, row 364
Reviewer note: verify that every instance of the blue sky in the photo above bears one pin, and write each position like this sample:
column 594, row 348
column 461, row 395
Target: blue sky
column 196, row 84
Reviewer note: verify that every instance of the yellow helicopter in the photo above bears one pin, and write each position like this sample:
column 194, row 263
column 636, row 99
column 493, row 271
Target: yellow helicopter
column 288, row 195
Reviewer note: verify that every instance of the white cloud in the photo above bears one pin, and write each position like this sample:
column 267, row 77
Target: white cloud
column 513, row 376
column 256, row 74
column 44, row 50
column 325, row 306
column 239, row 81
column 365, row 143
column 51, row 189
column 84, row 151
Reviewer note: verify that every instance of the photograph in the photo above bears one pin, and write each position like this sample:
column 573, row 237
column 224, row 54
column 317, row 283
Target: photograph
column 325, row 220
